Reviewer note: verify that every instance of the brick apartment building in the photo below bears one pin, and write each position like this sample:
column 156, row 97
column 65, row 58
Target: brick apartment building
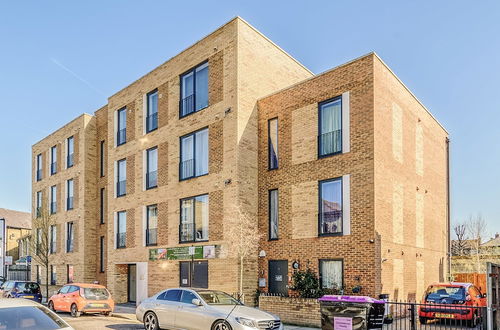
column 144, row 191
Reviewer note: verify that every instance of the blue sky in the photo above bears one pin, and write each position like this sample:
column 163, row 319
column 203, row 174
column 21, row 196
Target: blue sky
column 59, row 59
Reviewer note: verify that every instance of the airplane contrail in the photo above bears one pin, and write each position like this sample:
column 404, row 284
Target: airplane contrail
column 62, row 66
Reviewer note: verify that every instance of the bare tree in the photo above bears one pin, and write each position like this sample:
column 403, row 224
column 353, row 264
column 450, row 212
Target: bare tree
column 477, row 230
column 460, row 243
column 40, row 242
column 243, row 238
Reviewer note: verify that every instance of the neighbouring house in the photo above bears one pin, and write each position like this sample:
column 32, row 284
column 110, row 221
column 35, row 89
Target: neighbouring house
column 471, row 260
column 344, row 172
column 18, row 230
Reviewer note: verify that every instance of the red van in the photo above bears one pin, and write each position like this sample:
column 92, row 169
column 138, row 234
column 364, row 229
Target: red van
column 454, row 301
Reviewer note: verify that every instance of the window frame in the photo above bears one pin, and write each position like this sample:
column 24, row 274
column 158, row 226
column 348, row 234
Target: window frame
column 102, row 205
column 320, row 193
column 194, row 219
column 269, row 166
column 39, row 167
column 269, row 232
column 101, row 254
column 53, row 164
column 39, row 203
column 70, row 161
column 148, row 113
column 118, row 177
column 118, row 128
column 181, row 94
column 194, row 154
column 53, row 239
column 147, row 225
column 70, row 236
column 101, row 161
column 320, row 105
column 53, row 275
column 117, row 245
column 320, row 268
column 155, row 148
column 70, row 199
column 53, row 199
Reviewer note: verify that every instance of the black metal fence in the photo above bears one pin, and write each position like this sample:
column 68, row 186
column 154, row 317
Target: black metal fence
column 415, row 316
column 18, row 273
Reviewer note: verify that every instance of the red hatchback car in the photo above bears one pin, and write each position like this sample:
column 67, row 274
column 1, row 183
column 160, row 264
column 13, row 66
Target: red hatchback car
column 452, row 301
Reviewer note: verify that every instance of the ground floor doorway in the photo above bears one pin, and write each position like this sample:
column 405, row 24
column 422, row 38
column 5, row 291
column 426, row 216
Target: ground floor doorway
column 132, row 283
column 193, row 274
column 278, row 277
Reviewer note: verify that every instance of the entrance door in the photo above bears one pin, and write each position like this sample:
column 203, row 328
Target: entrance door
column 199, row 276
column 278, row 277
column 132, row 283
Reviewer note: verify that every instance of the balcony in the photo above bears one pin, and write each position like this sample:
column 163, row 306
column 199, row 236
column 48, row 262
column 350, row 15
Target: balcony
column 53, row 208
column 152, row 122
column 151, row 179
column 121, row 136
column 187, row 105
column 151, row 236
column 38, row 175
column 330, row 143
column 186, row 169
column 186, row 232
column 121, row 239
column 69, row 160
column 53, row 168
column 121, row 188
column 69, row 203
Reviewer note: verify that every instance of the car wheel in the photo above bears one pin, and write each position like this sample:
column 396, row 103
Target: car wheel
column 51, row 306
column 151, row 321
column 74, row 311
column 106, row 313
column 221, row 325
column 423, row 320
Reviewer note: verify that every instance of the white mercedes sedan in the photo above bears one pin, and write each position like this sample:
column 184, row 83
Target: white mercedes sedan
column 202, row 309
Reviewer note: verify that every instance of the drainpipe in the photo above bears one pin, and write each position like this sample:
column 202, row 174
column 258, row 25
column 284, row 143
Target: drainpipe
column 448, row 208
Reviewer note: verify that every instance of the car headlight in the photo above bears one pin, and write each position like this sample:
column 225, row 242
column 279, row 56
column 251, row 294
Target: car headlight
column 246, row 322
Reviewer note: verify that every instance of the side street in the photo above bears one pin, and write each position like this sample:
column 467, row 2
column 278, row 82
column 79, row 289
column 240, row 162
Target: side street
column 225, row 185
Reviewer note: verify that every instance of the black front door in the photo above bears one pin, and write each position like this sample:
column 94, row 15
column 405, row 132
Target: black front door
column 278, row 277
column 194, row 274
column 132, row 283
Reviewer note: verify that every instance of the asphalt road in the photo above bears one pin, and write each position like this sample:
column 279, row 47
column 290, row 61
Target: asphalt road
column 91, row 322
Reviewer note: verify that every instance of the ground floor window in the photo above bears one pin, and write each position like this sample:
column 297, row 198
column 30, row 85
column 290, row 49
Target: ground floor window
column 53, row 275
column 331, row 274
column 194, row 274
column 69, row 273
column 38, row 274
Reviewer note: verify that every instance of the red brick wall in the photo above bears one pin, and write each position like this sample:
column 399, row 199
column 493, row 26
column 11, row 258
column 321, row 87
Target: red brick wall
column 297, row 311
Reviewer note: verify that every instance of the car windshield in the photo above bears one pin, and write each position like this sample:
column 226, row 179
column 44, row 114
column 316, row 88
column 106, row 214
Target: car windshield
column 28, row 287
column 29, row 318
column 96, row 293
column 446, row 293
column 218, row 298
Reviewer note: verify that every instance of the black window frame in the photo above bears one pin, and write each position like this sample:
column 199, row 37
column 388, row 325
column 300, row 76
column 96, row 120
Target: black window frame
column 194, row 219
column 38, row 208
column 147, row 176
column 53, row 164
column 191, row 274
column 73, row 288
column 53, row 275
column 182, row 97
column 269, row 232
column 121, row 130
column 102, row 205
column 53, row 199
column 320, row 105
column 153, row 115
column 194, row 154
column 70, row 161
column 39, row 167
column 320, row 193
column 269, row 143
column 70, row 236
column 101, row 254
column 70, row 199
column 119, row 193
column 118, row 245
column 101, row 160
column 147, row 232
column 53, row 240
column 320, row 269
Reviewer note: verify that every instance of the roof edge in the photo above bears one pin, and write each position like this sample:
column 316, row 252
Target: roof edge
column 85, row 114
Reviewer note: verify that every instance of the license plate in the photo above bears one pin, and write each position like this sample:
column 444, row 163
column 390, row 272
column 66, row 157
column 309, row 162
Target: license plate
column 28, row 297
column 445, row 316
column 97, row 305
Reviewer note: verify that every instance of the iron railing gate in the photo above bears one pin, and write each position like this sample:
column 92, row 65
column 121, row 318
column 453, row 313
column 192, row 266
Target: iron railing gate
column 416, row 316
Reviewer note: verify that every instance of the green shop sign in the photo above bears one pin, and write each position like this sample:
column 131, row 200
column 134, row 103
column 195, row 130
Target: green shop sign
column 184, row 253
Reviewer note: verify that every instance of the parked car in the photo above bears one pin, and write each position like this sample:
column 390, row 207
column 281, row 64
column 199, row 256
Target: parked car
column 202, row 309
column 22, row 289
column 456, row 301
column 78, row 298
column 26, row 314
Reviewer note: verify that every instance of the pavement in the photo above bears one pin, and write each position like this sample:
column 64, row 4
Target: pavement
column 122, row 318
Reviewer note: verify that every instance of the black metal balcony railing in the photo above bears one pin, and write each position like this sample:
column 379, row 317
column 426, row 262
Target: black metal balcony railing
column 38, row 212
column 53, row 280
column 186, row 232
column 53, row 168
column 69, row 203
column 151, row 179
column 330, row 142
column 152, row 122
column 121, row 136
column 186, row 169
column 69, row 245
column 121, row 188
column 187, row 105
column 121, row 239
column 38, row 175
column 151, row 236
column 53, row 207
column 69, row 160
